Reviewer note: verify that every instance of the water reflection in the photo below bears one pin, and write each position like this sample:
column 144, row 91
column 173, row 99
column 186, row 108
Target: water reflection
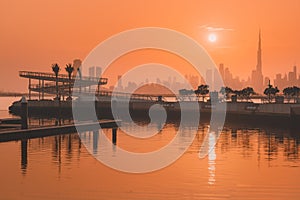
column 95, row 141
column 24, row 155
column 246, row 162
column 211, row 157
column 267, row 146
column 291, row 150
column 69, row 152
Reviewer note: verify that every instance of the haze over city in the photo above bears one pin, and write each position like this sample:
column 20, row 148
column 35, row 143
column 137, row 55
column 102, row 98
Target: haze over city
column 150, row 99
column 36, row 34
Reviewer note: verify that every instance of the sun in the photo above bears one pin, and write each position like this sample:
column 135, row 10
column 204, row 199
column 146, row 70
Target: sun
column 212, row 37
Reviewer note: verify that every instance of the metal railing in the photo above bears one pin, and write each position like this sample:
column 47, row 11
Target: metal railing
column 62, row 77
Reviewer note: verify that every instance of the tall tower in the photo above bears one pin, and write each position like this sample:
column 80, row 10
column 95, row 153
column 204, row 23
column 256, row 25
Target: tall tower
column 257, row 76
column 259, row 62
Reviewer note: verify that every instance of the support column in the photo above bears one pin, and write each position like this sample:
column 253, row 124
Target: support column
column 24, row 113
column 114, row 136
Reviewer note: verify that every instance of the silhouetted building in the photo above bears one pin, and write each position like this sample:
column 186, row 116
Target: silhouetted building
column 131, row 86
column 209, row 77
column 221, row 70
column 98, row 72
column 193, row 80
column 292, row 76
column 91, row 71
column 227, row 76
column 266, row 82
column 120, row 84
column 287, row 80
column 257, row 76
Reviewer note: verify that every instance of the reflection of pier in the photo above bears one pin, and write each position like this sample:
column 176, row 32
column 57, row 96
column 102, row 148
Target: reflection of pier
column 265, row 145
column 25, row 135
column 24, row 144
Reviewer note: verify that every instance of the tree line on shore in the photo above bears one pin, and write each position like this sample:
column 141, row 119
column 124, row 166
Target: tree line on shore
column 246, row 93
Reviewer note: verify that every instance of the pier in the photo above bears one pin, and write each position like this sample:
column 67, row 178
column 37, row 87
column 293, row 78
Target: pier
column 36, row 132
column 46, row 85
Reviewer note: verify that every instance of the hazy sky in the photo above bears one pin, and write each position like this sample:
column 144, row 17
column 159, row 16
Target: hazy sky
column 34, row 34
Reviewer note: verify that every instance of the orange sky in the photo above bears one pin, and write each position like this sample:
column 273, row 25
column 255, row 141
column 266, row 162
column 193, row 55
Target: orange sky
column 34, row 34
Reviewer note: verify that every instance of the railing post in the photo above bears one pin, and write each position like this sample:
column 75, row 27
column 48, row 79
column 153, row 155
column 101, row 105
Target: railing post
column 43, row 89
column 39, row 89
column 29, row 88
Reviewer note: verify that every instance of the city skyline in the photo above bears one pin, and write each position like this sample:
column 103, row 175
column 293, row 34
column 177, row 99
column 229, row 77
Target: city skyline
column 288, row 79
column 281, row 80
column 258, row 81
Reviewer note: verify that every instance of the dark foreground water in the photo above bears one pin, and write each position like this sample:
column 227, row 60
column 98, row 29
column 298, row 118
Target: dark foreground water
column 246, row 163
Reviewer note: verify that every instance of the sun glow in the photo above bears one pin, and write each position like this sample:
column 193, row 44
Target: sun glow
column 212, row 37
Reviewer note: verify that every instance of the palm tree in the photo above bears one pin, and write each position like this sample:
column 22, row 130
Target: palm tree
column 226, row 91
column 270, row 91
column 247, row 92
column 55, row 69
column 185, row 93
column 70, row 70
column 238, row 93
column 296, row 92
column 202, row 90
column 288, row 93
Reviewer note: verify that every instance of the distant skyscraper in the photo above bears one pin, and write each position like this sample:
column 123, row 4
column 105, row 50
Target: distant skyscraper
column 292, row 77
column 91, row 71
column 194, row 81
column 266, row 82
column 209, row 78
column 259, row 61
column 120, row 84
column 218, row 80
column 91, row 74
column 227, row 77
column 98, row 72
column 257, row 76
column 221, row 70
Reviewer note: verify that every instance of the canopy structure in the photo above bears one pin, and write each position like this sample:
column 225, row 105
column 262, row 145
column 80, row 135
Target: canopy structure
column 47, row 83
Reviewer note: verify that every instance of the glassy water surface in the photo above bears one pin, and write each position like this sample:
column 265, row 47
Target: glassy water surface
column 246, row 163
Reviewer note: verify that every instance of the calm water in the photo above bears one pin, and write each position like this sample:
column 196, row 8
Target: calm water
column 5, row 102
column 246, row 163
